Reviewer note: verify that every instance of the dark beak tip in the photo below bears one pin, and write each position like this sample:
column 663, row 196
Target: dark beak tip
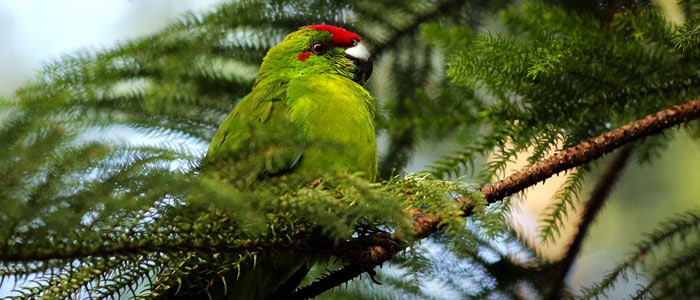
column 363, row 70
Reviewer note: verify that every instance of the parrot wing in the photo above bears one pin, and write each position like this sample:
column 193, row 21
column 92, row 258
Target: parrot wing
column 257, row 139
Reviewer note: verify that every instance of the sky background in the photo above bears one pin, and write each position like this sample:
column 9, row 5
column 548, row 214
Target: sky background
column 33, row 32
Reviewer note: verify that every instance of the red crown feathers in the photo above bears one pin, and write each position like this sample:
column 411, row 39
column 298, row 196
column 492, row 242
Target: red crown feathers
column 341, row 36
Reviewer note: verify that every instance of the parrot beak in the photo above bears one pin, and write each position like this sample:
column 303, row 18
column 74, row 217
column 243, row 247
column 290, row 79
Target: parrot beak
column 363, row 63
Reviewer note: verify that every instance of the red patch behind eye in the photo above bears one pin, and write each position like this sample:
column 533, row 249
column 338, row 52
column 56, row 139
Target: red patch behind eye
column 341, row 36
column 303, row 56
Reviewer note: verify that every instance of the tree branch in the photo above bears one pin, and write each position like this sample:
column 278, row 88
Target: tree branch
column 335, row 278
column 592, row 149
column 572, row 157
column 365, row 250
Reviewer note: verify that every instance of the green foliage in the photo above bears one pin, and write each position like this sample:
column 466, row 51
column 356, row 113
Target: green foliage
column 85, row 214
column 669, row 255
column 562, row 205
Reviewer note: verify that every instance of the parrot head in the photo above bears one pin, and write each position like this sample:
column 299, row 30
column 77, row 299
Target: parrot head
column 318, row 49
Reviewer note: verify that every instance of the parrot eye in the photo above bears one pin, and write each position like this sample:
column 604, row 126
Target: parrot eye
column 318, row 48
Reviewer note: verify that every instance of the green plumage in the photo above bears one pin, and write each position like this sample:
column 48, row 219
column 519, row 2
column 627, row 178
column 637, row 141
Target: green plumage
column 305, row 115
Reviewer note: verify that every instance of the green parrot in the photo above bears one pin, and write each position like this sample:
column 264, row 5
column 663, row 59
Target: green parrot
column 308, row 113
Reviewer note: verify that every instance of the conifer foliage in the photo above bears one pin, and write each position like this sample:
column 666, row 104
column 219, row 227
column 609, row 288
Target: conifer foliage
column 89, row 216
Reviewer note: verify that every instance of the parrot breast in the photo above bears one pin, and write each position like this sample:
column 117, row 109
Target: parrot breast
column 337, row 117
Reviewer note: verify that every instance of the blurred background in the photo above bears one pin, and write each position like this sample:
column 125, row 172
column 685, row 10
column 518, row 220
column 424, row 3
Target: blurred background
column 33, row 32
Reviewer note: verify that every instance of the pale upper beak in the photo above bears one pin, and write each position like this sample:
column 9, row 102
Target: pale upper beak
column 363, row 63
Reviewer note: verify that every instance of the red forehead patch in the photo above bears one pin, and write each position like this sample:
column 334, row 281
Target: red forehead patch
column 341, row 36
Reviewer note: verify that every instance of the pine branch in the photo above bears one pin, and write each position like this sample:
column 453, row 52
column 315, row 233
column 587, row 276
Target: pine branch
column 366, row 250
column 562, row 205
column 572, row 157
column 593, row 206
column 334, row 279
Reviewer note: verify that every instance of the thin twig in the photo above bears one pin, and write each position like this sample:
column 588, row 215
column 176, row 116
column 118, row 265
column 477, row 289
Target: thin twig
column 328, row 282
